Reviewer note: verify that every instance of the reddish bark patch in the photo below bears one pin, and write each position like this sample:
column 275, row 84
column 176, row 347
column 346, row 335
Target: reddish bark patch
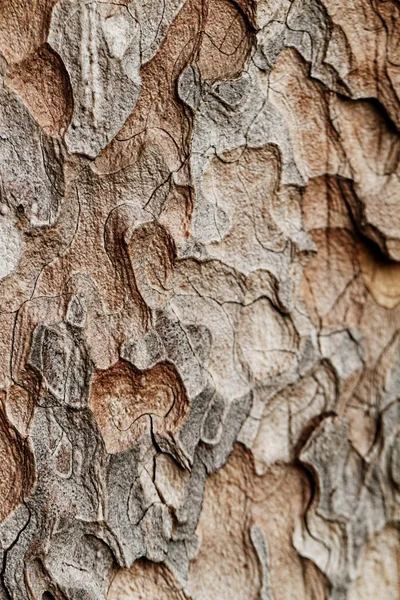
column 125, row 401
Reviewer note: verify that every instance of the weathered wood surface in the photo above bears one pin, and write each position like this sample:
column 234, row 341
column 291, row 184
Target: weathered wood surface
column 199, row 299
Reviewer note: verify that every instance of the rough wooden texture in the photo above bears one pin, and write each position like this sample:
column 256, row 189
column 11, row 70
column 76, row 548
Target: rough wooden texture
column 199, row 299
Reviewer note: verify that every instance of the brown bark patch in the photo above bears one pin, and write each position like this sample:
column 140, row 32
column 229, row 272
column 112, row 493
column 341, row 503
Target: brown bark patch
column 125, row 400
column 42, row 83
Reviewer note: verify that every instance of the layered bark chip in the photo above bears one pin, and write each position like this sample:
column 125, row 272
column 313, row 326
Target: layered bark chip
column 199, row 300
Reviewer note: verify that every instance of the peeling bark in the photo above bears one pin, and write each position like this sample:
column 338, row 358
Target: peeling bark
column 199, row 299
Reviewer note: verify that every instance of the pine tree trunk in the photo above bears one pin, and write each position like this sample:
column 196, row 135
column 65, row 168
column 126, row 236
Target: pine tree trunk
column 199, row 299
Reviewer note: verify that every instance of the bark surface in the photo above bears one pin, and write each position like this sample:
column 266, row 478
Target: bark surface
column 199, row 299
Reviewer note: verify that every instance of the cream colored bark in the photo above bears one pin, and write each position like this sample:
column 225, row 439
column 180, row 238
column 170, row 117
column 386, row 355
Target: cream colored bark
column 199, row 299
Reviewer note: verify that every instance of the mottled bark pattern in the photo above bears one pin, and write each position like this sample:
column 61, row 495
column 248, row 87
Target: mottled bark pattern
column 199, row 299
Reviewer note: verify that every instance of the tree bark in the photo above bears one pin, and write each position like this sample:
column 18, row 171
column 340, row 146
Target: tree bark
column 199, row 299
